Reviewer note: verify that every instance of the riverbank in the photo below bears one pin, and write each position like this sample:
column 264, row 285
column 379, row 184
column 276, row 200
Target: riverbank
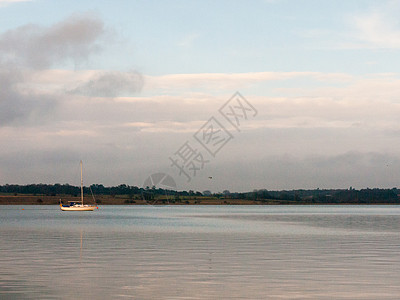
column 164, row 200
column 118, row 200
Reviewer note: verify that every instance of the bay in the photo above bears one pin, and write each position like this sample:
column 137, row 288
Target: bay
column 200, row 252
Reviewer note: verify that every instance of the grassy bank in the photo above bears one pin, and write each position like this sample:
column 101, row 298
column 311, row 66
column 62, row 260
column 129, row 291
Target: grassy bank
column 129, row 200
column 160, row 200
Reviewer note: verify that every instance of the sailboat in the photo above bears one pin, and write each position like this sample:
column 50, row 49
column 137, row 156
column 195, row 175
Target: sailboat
column 78, row 205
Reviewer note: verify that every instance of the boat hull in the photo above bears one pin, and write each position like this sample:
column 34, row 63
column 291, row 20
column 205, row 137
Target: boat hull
column 78, row 208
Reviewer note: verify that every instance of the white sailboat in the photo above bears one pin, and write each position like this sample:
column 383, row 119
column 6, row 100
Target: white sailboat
column 78, row 205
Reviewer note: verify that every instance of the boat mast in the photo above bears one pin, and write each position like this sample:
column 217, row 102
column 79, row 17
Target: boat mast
column 81, row 185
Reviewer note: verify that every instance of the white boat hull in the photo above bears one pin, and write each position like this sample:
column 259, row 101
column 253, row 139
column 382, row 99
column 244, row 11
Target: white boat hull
column 73, row 206
column 78, row 208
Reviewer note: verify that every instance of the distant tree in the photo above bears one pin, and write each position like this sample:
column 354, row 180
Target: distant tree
column 207, row 193
column 177, row 198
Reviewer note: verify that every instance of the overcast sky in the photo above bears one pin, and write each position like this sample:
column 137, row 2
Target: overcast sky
column 135, row 88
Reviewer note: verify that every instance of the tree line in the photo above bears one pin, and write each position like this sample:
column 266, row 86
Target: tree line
column 315, row 196
column 329, row 196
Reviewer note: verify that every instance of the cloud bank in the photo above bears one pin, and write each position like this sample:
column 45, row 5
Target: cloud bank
column 28, row 48
column 111, row 84
column 33, row 46
column 313, row 129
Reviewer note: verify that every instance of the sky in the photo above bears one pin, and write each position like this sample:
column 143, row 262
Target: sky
column 207, row 95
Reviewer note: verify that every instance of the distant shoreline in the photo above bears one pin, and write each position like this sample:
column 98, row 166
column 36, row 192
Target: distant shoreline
column 50, row 194
column 189, row 200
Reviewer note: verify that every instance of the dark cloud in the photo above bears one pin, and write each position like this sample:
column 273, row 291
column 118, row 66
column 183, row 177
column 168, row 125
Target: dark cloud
column 9, row 98
column 39, row 47
column 275, row 172
column 18, row 106
column 33, row 47
column 111, row 84
column 41, row 166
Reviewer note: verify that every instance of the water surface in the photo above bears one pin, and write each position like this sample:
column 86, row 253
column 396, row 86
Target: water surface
column 200, row 252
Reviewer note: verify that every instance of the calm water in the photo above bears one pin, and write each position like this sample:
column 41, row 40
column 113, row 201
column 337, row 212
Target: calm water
column 200, row 252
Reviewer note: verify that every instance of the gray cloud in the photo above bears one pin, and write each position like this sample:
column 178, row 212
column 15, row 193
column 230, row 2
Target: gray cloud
column 40, row 47
column 277, row 172
column 43, row 165
column 111, row 84
column 17, row 106
column 9, row 98
column 34, row 47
